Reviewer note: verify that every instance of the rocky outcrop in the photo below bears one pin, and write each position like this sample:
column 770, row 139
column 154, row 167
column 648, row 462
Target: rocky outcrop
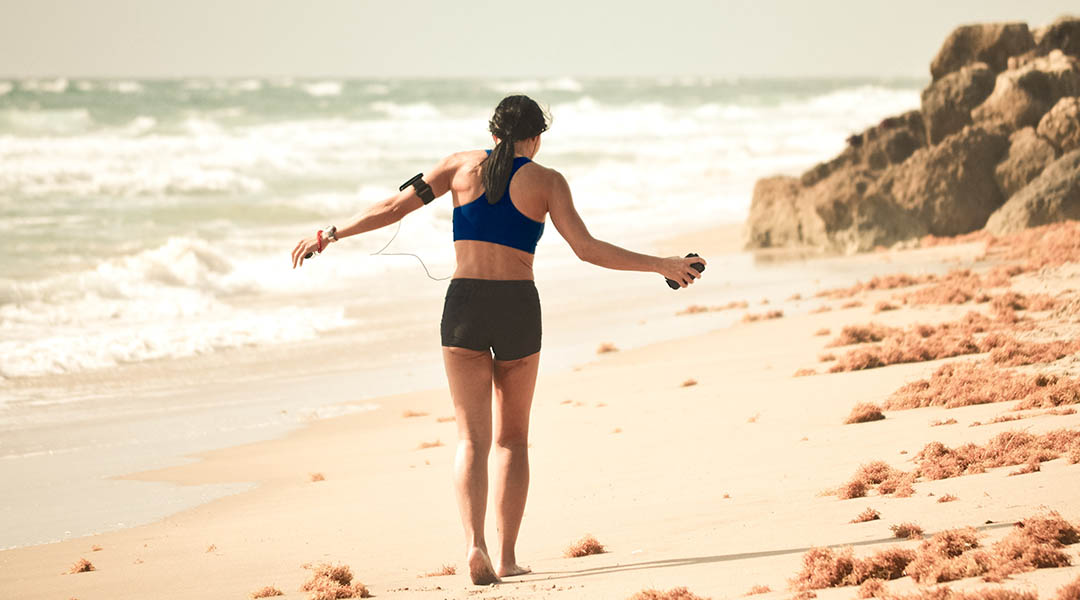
column 887, row 143
column 1022, row 96
column 774, row 218
column 947, row 102
column 1063, row 34
column 876, row 221
column 950, row 188
column 1028, row 155
column 1051, row 197
column 991, row 43
column 987, row 148
column 1061, row 126
column 844, row 212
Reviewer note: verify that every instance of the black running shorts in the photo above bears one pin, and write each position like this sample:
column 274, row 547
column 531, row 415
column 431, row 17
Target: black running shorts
column 500, row 315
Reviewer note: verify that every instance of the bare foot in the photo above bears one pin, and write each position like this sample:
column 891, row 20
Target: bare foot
column 480, row 569
column 511, row 570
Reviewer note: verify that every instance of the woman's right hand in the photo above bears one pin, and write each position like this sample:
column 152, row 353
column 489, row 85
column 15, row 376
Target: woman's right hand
column 678, row 269
column 303, row 248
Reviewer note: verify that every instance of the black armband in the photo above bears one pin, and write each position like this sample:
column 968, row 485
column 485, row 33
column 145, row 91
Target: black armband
column 422, row 188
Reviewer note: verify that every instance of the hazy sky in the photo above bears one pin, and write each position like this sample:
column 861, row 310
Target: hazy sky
column 317, row 38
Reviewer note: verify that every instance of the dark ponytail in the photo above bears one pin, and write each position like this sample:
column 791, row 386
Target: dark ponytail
column 516, row 118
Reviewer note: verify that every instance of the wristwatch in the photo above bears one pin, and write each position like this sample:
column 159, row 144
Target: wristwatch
column 330, row 233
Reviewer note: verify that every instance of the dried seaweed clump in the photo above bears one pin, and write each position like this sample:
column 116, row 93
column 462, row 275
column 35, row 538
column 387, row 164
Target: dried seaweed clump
column 313, row 477
column 698, row 308
column 1014, row 353
column 584, row 547
column 918, row 343
column 679, row 593
column 957, row 287
column 1008, row 448
column 888, row 480
column 81, row 566
column 1051, row 391
column 867, row 515
column 962, row 285
column 332, row 581
column 852, row 489
column 1034, row 543
column 884, row 306
column 693, row 309
column 872, row 588
column 266, row 592
column 945, row 593
column 689, row 382
column 864, row 412
column 947, row 556
column 884, row 282
column 1070, row 591
column 898, row 483
column 964, row 384
column 772, row 314
column 1046, row 246
column 907, row 531
column 822, row 331
column 861, row 334
column 825, row 567
column 1004, row 419
column 758, row 589
column 606, row 347
column 947, row 498
column 940, row 422
column 443, row 572
column 1031, row 467
column 804, row 372
column 1010, row 301
column 874, row 472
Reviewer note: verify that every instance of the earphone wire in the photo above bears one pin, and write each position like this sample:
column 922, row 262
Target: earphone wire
column 387, row 245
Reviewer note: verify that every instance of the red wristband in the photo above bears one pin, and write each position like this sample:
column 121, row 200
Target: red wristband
column 318, row 236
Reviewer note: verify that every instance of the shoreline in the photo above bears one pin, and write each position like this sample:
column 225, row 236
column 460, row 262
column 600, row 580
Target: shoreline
column 81, row 459
column 268, row 372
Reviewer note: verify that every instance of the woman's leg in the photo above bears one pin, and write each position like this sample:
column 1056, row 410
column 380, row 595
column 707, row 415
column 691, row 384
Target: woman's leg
column 469, row 374
column 515, row 381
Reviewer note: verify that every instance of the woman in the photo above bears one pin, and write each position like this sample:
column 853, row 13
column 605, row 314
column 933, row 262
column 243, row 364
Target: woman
column 492, row 307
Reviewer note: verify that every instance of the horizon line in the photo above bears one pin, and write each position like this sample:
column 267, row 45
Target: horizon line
column 733, row 77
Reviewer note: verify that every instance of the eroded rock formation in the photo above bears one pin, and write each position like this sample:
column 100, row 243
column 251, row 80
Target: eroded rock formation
column 995, row 144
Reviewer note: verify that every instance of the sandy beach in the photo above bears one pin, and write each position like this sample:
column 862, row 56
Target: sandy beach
column 698, row 461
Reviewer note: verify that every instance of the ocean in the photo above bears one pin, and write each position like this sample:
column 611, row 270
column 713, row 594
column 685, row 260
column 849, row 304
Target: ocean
column 130, row 209
column 144, row 221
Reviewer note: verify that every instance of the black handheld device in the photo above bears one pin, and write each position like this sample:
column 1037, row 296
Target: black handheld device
column 699, row 266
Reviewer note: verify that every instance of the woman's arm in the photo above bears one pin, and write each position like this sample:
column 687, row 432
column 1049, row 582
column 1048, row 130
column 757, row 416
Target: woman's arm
column 598, row 252
column 385, row 212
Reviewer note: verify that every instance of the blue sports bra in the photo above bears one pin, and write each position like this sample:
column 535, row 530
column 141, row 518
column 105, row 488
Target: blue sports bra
column 498, row 223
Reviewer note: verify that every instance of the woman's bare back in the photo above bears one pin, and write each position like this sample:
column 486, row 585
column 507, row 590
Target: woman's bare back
column 485, row 260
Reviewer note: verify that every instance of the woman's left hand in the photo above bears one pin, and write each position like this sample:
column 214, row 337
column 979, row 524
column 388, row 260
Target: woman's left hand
column 305, row 247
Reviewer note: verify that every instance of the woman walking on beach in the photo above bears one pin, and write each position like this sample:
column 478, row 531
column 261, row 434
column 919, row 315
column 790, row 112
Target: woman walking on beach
column 501, row 199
